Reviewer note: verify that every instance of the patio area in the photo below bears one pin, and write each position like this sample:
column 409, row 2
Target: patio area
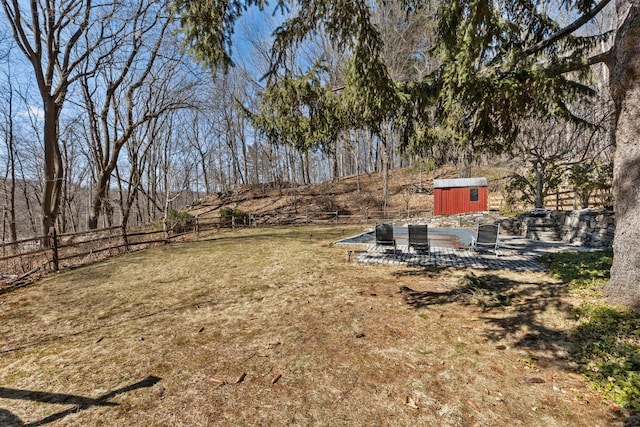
column 450, row 248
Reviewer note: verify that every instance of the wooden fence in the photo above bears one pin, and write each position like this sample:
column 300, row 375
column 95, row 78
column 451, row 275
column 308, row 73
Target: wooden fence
column 41, row 255
column 25, row 259
column 561, row 200
column 335, row 217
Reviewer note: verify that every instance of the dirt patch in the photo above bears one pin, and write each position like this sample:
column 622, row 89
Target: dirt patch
column 275, row 327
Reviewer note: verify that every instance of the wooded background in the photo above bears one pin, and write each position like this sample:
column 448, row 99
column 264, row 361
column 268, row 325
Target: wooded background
column 143, row 129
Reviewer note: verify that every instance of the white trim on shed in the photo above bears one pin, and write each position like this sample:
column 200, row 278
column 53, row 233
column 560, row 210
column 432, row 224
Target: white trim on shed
column 459, row 182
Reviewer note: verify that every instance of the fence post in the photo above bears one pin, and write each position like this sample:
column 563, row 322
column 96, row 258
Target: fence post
column 54, row 237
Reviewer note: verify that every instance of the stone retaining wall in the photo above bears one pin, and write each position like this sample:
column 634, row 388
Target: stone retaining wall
column 590, row 228
column 468, row 220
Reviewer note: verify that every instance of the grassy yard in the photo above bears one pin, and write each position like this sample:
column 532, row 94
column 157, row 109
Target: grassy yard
column 275, row 327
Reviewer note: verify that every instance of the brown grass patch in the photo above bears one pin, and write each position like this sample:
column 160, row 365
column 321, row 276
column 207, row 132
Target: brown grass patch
column 274, row 327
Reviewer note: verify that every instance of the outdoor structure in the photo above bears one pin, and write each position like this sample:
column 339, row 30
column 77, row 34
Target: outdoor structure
column 454, row 196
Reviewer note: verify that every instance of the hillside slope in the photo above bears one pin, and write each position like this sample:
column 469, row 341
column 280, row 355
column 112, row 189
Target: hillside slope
column 351, row 196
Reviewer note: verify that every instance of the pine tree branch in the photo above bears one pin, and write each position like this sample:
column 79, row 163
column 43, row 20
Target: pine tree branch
column 601, row 58
column 566, row 30
column 604, row 57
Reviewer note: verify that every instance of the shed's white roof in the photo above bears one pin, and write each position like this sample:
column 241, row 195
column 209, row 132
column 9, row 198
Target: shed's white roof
column 460, row 182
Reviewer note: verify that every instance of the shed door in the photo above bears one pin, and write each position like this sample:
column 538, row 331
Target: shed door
column 448, row 201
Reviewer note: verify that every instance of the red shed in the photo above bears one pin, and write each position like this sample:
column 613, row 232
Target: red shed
column 454, row 196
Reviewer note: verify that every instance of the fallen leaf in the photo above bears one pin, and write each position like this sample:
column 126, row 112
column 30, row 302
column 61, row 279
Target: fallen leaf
column 575, row 376
column 241, row 377
column 501, row 347
column 412, row 404
column 276, row 379
column 534, row 380
column 497, row 369
column 473, row 405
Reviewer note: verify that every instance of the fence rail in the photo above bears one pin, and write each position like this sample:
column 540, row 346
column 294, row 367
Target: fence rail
column 561, row 200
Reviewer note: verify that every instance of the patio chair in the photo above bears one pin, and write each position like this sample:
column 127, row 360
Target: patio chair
column 384, row 236
column 486, row 237
column 419, row 238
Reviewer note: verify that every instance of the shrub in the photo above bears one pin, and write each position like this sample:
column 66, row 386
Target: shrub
column 607, row 340
column 608, row 349
column 230, row 216
column 179, row 221
column 584, row 272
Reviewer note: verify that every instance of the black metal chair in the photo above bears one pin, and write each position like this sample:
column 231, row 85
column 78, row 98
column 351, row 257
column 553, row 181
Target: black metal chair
column 384, row 236
column 487, row 237
column 419, row 238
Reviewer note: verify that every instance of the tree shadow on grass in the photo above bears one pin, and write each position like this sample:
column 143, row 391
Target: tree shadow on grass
column 431, row 271
column 606, row 338
column 79, row 403
column 512, row 309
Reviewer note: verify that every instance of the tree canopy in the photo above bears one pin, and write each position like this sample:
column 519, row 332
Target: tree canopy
column 500, row 61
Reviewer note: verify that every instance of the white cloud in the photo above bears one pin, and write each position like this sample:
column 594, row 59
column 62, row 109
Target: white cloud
column 33, row 112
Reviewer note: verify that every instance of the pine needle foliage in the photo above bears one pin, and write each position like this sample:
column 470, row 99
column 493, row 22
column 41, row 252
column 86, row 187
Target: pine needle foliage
column 495, row 73
column 299, row 111
column 500, row 61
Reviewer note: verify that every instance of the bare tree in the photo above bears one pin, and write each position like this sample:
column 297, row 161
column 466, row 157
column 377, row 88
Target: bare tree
column 57, row 37
column 7, row 129
column 125, row 93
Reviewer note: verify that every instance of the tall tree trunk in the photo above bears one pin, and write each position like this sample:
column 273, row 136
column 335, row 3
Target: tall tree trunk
column 53, row 172
column 465, row 159
column 334, row 164
column 244, row 173
column 307, row 166
column 539, row 170
column 624, row 286
column 11, row 152
column 385, row 174
column 98, row 198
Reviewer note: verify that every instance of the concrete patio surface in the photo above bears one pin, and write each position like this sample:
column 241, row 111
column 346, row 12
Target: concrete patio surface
column 514, row 253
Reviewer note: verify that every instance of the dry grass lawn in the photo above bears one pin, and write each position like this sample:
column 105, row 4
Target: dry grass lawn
column 275, row 327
